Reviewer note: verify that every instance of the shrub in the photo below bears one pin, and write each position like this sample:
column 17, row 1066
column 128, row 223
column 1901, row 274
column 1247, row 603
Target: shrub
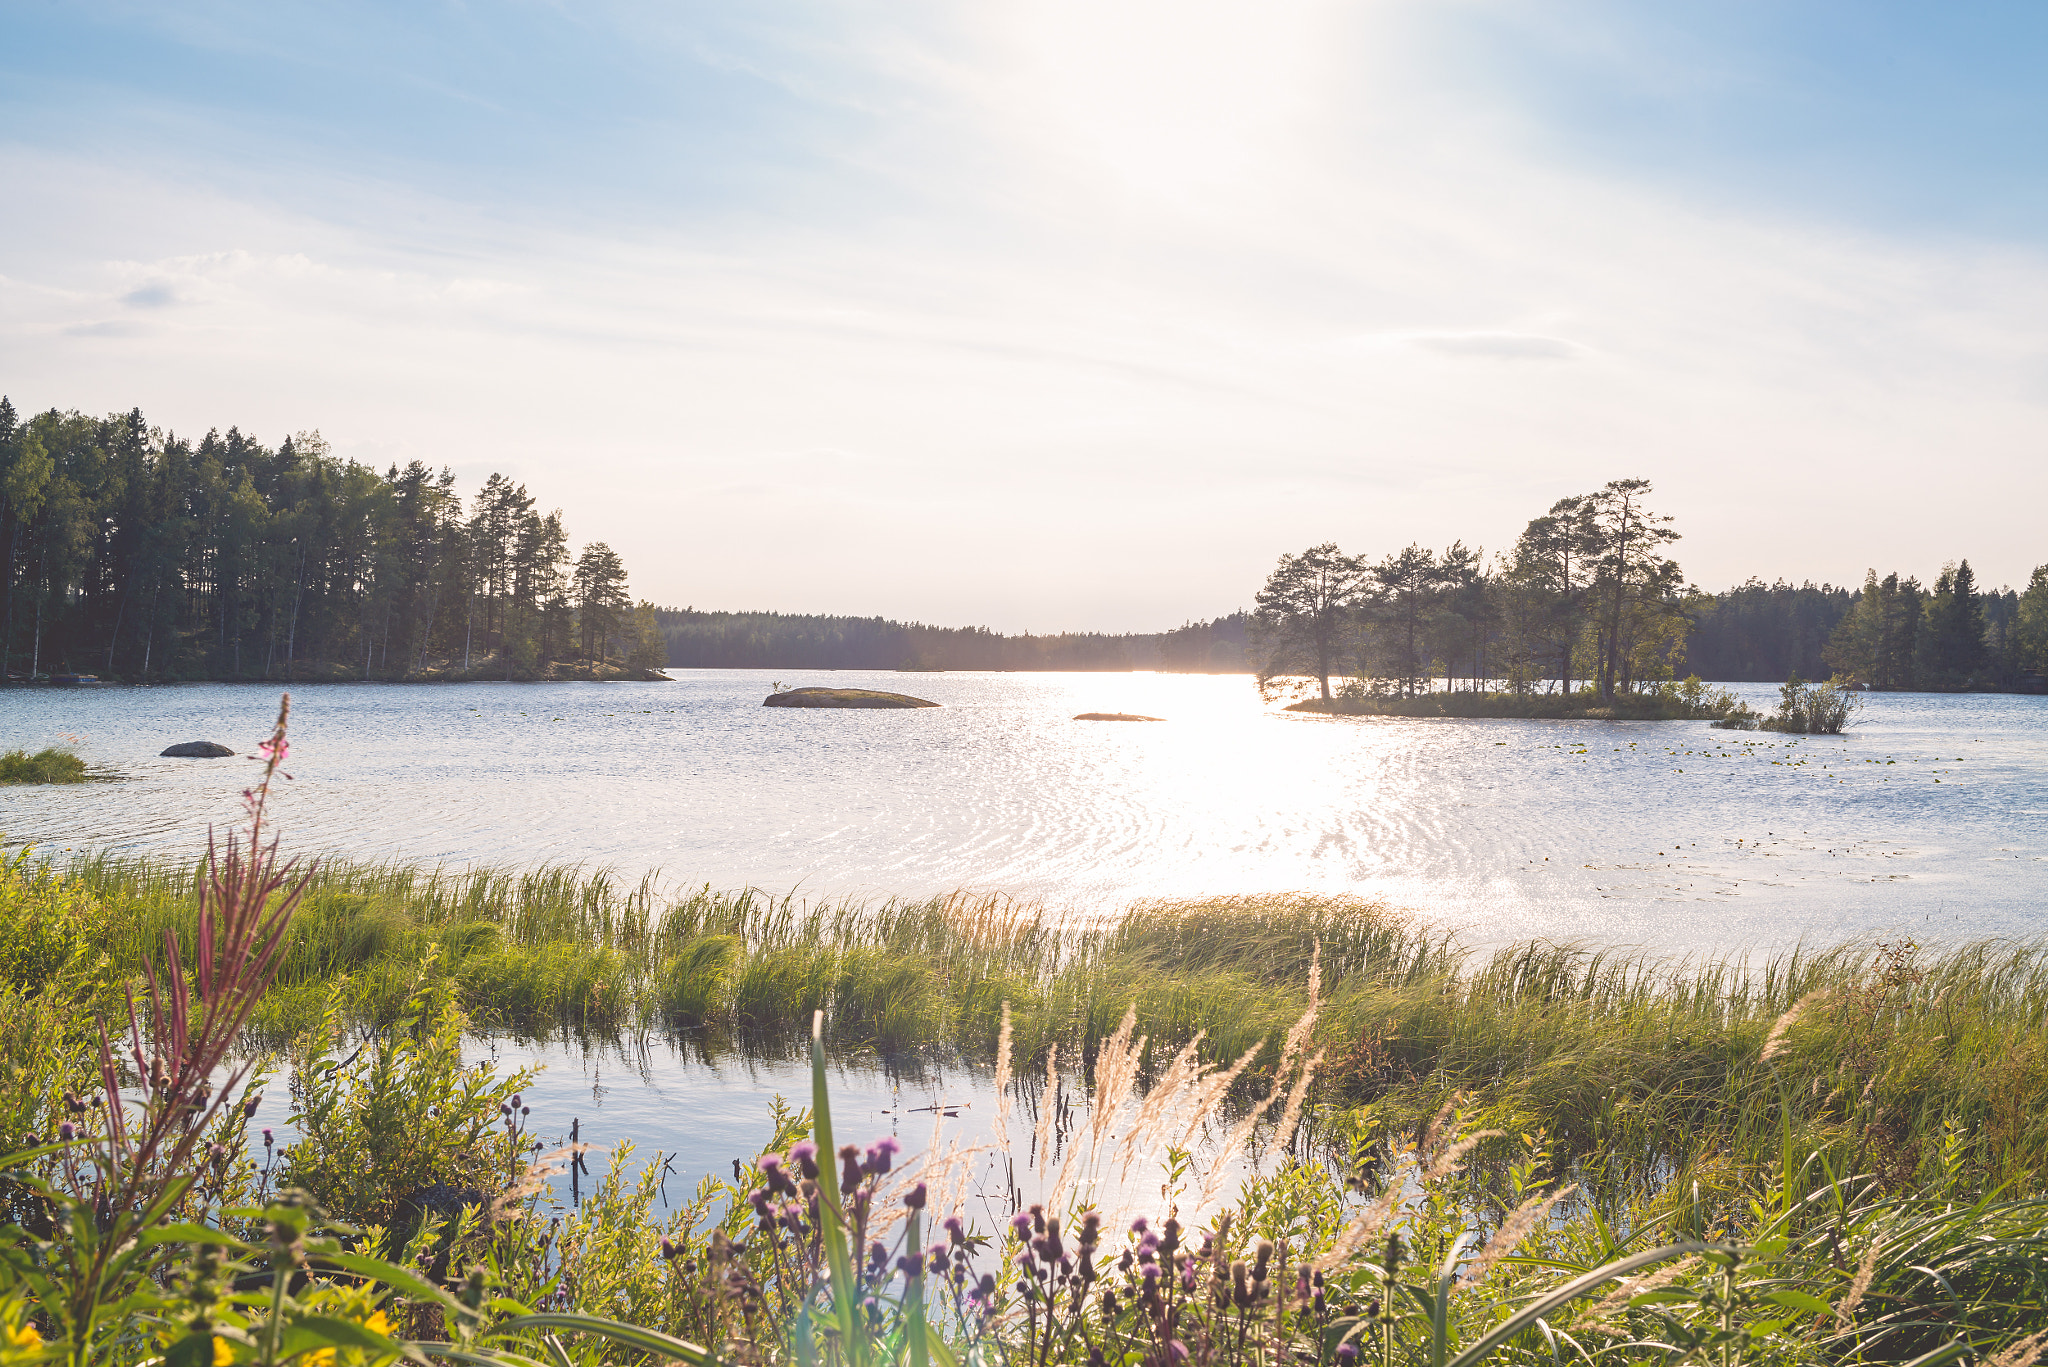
column 1814, row 709
column 401, row 1126
column 44, row 766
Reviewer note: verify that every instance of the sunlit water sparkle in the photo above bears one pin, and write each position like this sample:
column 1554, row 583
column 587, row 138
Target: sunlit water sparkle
column 1931, row 816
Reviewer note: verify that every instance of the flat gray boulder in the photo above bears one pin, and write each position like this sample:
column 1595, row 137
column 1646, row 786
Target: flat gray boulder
column 198, row 749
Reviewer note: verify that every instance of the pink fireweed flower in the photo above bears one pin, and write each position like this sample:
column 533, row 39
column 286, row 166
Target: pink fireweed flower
column 275, row 748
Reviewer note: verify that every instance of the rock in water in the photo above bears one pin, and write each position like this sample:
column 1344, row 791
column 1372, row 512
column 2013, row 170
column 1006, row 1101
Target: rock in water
column 1115, row 716
column 842, row 697
column 198, row 749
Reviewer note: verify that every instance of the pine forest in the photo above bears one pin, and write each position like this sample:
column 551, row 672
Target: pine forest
column 134, row 553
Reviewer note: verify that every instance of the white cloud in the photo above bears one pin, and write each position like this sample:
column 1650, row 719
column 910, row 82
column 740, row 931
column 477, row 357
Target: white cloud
column 1169, row 298
column 1499, row 346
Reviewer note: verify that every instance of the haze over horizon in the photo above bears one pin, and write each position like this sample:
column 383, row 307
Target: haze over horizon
column 1061, row 316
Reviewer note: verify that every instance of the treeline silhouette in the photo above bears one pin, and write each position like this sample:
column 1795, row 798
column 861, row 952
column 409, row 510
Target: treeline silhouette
column 1891, row 633
column 131, row 552
column 1587, row 600
column 778, row 640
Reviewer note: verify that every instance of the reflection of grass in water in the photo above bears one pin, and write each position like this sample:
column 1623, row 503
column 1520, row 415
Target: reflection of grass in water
column 45, row 766
column 1639, row 1066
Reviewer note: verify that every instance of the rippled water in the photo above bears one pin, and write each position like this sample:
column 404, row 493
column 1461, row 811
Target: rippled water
column 1932, row 816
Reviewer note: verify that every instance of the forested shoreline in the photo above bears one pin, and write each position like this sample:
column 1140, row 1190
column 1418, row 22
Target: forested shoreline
column 133, row 553
column 778, row 640
column 1586, row 600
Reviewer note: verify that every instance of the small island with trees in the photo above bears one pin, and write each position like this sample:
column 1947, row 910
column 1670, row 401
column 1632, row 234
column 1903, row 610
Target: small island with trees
column 1586, row 617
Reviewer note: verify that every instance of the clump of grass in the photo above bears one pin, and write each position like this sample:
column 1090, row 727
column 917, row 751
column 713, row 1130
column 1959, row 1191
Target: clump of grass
column 1633, row 1065
column 1452, row 1234
column 50, row 765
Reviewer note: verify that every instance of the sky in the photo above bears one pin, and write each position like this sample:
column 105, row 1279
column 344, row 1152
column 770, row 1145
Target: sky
column 1058, row 315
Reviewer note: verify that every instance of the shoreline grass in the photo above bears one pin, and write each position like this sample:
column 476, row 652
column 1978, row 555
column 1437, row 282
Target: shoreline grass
column 1643, row 1069
column 48, row 765
column 1691, row 700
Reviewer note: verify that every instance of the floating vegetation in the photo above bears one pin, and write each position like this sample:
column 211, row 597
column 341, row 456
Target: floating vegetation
column 50, row 765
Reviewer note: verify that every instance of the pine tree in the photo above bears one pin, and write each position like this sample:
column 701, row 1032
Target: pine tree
column 130, row 551
column 1303, row 610
column 600, row 590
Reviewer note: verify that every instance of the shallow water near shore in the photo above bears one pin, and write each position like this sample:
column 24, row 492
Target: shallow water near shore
column 689, row 1117
column 1929, row 818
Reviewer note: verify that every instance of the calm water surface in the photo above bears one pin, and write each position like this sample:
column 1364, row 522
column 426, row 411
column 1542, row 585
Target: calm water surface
column 1931, row 816
column 688, row 1117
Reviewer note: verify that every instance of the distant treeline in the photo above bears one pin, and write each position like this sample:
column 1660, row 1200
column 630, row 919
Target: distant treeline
column 131, row 552
column 135, row 553
column 1754, row 633
column 777, row 640
column 1891, row 633
column 1587, row 600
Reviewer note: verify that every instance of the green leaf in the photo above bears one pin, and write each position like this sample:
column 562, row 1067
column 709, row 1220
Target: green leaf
column 1940, row 1357
column 913, row 1293
column 493, row 1357
column 632, row 1335
column 193, row 1350
column 852, row 1329
column 1570, row 1292
column 327, row 1330
column 936, row 1345
column 1801, row 1301
column 376, row 1269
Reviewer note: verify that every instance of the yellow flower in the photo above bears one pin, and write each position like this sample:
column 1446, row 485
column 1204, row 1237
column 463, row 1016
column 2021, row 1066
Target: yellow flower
column 320, row 1357
column 25, row 1338
column 223, row 1352
column 377, row 1324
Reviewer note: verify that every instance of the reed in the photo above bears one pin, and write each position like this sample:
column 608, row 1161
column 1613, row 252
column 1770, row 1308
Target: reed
column 50, row 765
column 1637, row 1066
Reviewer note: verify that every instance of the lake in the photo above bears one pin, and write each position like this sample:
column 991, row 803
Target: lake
column 701, row 1113
column 1929, row 817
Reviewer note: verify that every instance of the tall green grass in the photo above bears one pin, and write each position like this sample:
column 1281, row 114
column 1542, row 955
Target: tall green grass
column 1649, row 1071
column 50, row 765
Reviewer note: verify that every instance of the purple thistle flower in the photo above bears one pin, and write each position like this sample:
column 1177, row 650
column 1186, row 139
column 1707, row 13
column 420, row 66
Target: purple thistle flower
column 881, row 1156
column 914, row 1198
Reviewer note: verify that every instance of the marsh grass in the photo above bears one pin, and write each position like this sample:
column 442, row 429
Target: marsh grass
column 1650, row 1073
column 50, row 765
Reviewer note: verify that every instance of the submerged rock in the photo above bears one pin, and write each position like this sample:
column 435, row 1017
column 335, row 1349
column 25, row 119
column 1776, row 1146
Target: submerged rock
column 842, row 697
column 198, row 749
column 1115, row 716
